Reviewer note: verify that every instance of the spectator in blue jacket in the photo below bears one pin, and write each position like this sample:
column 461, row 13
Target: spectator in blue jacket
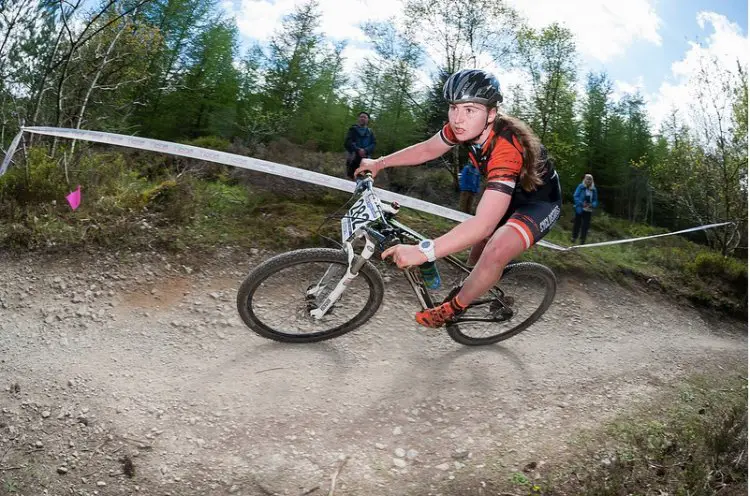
column 585, row 200
column 468, row 183
column 359, row 143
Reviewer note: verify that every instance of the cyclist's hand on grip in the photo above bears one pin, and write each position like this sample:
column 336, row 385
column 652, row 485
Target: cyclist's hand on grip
column 368, row 164
column 405, row 255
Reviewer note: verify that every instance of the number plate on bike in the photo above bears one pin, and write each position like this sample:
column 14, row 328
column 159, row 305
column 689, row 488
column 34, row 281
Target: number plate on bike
column 364, row 211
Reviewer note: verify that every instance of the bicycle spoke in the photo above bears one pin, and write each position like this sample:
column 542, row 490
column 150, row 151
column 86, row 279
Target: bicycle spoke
column 520, row 299
column 499, row 311
column 282, row 300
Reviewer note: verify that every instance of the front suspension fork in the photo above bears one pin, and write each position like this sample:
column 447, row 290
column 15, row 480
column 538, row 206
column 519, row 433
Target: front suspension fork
column 355, row 265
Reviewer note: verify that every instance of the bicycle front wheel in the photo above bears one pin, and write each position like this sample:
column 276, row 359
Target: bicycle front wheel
column 524, row 293
column 276, row 298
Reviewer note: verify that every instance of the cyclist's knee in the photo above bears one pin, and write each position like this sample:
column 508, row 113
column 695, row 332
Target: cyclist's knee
column 504, row 246
column 476, row 251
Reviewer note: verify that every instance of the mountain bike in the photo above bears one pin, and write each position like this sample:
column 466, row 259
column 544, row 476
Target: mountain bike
column 314, row 294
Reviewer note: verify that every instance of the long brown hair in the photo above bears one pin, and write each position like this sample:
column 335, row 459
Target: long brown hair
column 529, row 176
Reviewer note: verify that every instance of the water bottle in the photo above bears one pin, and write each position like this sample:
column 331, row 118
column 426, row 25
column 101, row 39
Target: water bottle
column 430, row 275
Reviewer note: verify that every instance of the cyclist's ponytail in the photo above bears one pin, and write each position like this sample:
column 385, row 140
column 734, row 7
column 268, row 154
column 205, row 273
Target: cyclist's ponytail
column 529, row 176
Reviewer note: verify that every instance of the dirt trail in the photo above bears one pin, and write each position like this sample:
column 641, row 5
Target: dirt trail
column 148, row 358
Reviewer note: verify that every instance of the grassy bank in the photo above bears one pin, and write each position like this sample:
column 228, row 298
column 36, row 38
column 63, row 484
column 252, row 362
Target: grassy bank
column 137, row 200
column 692, row 441
column 671, row 265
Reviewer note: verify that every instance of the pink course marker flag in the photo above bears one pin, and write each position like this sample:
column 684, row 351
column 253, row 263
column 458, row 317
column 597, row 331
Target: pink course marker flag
column 74, row 198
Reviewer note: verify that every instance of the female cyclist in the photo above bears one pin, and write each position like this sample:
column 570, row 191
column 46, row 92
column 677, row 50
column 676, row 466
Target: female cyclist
column 519, row 206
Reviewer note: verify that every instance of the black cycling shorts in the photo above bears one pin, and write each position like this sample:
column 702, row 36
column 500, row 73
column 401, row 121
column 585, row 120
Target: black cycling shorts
column 532, row 221
column 532, row 215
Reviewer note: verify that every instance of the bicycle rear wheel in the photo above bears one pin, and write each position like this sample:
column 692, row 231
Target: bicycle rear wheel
column 524, row 293
column 275, row 299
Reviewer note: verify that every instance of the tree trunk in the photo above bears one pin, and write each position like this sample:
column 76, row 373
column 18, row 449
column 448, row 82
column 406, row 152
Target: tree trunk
column 91, row 87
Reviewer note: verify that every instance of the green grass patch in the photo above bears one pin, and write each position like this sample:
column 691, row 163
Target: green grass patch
column 694, row 442
column 690, row 441
column 152, row 205
column 135, row 200
column 670, row 264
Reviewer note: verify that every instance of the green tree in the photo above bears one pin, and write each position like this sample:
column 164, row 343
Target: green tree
column 462, row 33
column 109, row 70
column 179, row 24
column 295, row 50
column 434, row 109
column 549, row 58
column 206, row 102
column 720, row 110
column 623, row 171
column 254, row 124
column 324, row 114
column 593, row 120
column 390, row 78
column 702, row 177
column 303, row 81
column 25, row 27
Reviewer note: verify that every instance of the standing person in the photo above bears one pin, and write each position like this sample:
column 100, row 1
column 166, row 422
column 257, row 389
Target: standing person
column 359, row 143
column 468, row 184
column 520, row 203
column 585, row 199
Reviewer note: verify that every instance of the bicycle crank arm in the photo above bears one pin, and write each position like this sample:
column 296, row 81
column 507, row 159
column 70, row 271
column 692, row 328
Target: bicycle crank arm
column 476, row 319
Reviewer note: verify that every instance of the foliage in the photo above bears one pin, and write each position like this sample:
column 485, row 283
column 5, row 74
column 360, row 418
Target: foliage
column 210, row 142
column 41, row 181
column 695, row 445
column 174, row 69
column 670, row 265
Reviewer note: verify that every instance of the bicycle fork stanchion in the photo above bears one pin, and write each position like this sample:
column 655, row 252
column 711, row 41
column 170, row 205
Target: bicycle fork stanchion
column 355, row 264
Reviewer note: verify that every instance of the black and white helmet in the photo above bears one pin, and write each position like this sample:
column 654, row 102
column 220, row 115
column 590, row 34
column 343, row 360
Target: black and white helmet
column 473, row 85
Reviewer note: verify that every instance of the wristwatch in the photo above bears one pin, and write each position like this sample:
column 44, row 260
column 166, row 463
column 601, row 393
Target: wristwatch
column 427, row 247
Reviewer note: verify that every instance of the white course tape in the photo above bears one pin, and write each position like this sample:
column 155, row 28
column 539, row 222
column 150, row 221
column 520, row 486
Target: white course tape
column 630, row 240
column 278, row 170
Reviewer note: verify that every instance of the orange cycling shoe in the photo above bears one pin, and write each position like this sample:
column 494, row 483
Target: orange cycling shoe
column 440, row 315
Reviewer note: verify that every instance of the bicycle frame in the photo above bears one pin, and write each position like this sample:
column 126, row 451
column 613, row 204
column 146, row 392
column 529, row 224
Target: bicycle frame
column 373, row 238
column 421, row 290
column 417, row 285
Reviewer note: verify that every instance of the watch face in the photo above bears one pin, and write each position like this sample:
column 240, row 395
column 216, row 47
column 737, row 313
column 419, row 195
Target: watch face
column 425, row 244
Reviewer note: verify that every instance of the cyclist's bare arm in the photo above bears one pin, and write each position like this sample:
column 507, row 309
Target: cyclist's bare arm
column 490, row 210
column 423, row 151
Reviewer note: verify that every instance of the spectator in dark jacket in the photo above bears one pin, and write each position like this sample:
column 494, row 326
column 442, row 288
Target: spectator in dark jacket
column 359, row 143
column 468, row 183
column 585, row 200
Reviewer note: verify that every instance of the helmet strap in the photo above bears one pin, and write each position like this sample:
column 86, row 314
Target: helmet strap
column 491, row 123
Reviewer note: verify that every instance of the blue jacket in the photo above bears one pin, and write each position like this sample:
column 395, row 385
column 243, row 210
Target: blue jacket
column 580, row 195
column 360, row 137
column 468, row 179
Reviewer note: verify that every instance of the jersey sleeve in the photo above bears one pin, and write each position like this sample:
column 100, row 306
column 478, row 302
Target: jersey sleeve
column 505, row 163
column 448, row 136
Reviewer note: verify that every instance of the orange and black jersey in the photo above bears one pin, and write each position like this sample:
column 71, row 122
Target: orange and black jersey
column 500, row 159
column 497, row 159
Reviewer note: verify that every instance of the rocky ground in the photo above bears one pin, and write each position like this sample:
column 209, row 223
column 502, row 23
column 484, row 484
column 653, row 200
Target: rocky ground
column 134, row 375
